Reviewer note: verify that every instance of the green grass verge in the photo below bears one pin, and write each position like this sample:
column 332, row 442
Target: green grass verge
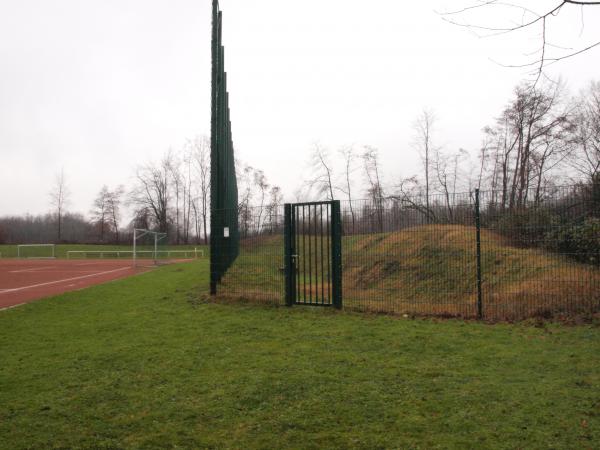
column 144, row 363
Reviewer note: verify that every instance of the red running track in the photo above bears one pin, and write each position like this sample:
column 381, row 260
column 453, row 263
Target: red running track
column 25, row 280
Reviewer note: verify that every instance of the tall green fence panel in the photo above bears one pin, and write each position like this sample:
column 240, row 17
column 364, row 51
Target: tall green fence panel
column 224, row 230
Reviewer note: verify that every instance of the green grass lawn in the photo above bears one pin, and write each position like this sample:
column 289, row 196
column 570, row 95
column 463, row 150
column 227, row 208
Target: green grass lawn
column 145, row 363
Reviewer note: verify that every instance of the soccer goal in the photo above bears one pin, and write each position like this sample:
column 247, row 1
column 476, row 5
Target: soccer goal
column 39, row 251
column 146, row 245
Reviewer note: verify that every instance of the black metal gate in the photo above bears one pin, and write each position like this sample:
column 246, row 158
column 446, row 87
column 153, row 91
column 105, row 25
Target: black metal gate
column 313, row 254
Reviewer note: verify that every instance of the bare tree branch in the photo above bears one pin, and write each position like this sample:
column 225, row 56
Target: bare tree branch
column 544, row 59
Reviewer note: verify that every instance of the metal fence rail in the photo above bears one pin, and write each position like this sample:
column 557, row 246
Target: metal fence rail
column 194, row 253
column 466, row 255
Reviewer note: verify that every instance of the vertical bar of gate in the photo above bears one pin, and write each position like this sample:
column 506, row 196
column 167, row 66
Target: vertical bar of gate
column 309, row 258
column 294, row 254
column 316, row 234
column 328, row 218
column 303, row 254
column 287, row 257
column 296, row 214
column 478, row 239
column 336, row 253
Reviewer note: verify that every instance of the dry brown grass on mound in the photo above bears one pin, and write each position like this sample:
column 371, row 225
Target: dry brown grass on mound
column 431, row 270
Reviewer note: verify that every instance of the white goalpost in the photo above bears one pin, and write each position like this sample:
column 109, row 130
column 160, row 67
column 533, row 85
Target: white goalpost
column 138, row 233
column 35, row 251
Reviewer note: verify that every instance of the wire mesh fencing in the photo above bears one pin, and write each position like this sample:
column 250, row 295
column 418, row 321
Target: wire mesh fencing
column 541, row 252
column 475, row 255
column 257, row 274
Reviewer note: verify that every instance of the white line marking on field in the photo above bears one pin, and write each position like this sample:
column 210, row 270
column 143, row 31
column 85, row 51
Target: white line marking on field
column 62, row 281
column 11, row 306
column 31, row 270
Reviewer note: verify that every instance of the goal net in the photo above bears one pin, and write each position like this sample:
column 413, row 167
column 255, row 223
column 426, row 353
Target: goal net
column 148, row 247
column 40, row 251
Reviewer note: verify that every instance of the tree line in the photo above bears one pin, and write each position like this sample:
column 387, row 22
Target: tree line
column 541, row 139
column 171, row 195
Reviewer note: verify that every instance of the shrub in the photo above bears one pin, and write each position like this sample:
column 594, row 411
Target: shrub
column 579, row 241
column 526, row 227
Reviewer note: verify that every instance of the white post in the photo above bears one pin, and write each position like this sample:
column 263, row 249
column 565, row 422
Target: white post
column 134, row 247
column 155, row 247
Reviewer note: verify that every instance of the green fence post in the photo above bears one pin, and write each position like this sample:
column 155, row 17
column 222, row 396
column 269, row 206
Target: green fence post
column 287, row 257
column 478, row 238
column 336, row 253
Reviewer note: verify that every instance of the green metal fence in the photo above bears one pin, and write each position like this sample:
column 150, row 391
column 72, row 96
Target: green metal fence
column 468, row 255
column 224, row 242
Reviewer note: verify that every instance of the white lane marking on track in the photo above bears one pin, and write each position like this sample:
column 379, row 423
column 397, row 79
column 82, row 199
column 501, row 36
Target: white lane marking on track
column 87, row 264
column 62, row 281
column 32, row 269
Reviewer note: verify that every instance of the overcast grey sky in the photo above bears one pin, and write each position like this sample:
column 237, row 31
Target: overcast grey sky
column 99, row 86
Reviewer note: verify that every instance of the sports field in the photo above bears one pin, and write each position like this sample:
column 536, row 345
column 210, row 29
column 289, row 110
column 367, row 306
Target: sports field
column 23, row 281
column 75, row 266
column 147, row 362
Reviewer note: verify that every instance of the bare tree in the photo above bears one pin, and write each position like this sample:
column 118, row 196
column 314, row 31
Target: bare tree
column 262, row 186
column 275, row 201
column 99, row 211
column 245, row 194
column 349, row 158
column 447, row 173
column 188, row 162
column 152, row 191
column 113, row 212
column 423, row 142
column 521, row 18
column 410, row 193
column 586, row 158
column 177, row 184
column 321, row 171
column 59, row 199
column 375, row 190
column 530, row 139
column 201, row 155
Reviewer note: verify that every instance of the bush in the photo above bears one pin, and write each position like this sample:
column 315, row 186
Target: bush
column 579, row 241
column 526, row 227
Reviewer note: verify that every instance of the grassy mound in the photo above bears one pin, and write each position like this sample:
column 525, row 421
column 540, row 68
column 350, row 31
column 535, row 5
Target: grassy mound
column 432, row 270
